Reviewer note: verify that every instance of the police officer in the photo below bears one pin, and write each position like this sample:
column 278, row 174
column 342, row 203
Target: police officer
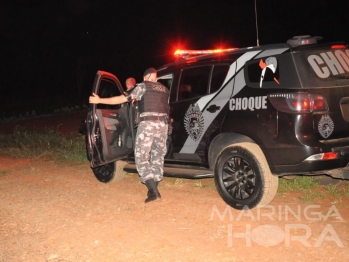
column 150, row 146
column 130, row 82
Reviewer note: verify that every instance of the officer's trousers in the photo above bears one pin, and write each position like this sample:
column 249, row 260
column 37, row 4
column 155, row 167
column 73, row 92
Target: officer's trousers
column 150, row 149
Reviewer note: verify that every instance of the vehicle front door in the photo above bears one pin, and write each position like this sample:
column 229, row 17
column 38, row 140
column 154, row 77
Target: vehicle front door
column 110, row 130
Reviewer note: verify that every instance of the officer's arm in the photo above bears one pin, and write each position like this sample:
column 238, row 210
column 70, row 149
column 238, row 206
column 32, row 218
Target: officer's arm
column 115, row 100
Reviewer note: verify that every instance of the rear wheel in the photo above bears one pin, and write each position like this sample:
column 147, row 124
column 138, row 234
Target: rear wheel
column 111, row 172
column 243, row 178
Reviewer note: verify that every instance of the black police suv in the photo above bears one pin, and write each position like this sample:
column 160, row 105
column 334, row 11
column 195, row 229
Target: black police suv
column 243, row 116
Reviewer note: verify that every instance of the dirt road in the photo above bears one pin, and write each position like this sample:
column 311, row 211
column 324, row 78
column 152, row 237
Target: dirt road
column 59, row 212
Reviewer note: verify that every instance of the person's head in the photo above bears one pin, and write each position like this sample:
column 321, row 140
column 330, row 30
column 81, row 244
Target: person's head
column 150, row 74
column 130, row 82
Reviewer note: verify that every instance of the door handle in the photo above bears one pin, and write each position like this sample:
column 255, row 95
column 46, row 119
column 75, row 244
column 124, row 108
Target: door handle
column 213, row 108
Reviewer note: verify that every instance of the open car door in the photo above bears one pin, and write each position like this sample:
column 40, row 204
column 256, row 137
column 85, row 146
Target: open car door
column 109, row 128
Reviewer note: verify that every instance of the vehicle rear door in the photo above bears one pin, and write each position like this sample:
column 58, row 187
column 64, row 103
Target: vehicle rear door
column 324, row 70
column 194, row 113
column 110, row 130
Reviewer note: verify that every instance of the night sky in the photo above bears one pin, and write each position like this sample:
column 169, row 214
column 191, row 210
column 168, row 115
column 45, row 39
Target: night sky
column 51, row 49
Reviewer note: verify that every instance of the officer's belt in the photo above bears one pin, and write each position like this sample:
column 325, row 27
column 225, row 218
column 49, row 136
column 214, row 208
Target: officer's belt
column 153, row 118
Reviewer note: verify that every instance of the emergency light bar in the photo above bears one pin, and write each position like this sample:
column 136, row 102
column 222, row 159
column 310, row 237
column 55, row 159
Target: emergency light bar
column 185, row 53
column 303, row 40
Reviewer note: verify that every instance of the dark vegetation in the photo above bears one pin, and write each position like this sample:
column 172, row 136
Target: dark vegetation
column 47, row 145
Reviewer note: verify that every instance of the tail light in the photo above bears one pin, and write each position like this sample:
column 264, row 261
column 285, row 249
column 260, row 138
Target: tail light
column 323, row 156
column 301, row 102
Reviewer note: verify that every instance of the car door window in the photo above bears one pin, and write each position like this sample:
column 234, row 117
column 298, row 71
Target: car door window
column 218, row 76
column 194, row 82
column 108, row 89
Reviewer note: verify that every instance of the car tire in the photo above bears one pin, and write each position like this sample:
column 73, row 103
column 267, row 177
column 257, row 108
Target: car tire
column 111, row 172
column 243, row 178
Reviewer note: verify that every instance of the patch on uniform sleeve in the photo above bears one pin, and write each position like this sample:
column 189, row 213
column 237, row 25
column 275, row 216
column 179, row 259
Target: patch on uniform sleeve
column 194, row 122
column 325, row 126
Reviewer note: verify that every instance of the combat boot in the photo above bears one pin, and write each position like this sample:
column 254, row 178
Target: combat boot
column 149, row 191
column 153, row 193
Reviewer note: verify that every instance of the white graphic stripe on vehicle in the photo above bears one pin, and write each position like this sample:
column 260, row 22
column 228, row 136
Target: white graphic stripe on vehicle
column 219, row 99
column 231, row 86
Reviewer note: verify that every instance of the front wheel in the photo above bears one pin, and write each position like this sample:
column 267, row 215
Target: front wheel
column 111, row 172
column 243, row 178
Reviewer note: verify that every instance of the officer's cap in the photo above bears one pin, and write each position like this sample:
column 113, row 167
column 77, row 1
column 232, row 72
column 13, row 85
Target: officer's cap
column 150, row 70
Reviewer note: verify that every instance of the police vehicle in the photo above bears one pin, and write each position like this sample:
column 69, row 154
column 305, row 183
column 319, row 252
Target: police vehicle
column 244, row 116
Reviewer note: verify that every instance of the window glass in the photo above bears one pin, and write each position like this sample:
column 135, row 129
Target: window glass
column 108, row 89
column 218, row 76
column 166, row 80
column 323, row 67
column 194, row 82
column 275, row 71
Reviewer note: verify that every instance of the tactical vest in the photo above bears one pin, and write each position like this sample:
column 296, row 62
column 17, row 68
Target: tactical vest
column 155, row 99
